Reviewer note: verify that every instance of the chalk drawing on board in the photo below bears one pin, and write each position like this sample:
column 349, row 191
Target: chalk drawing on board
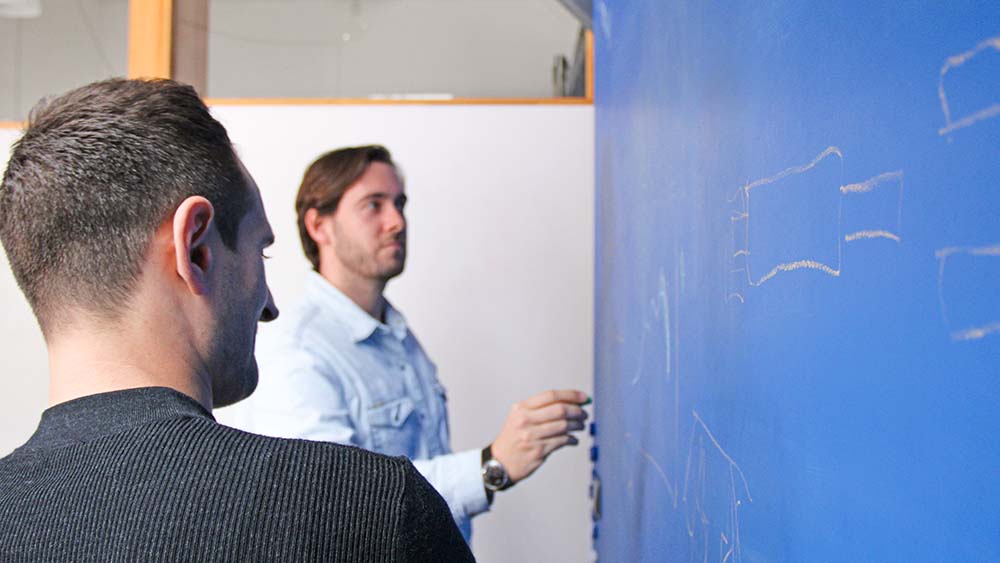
column 709, row 473
column 659, row 321
column 659, row 308
column 745, row 217
column 871, row 209
column 967, row 281
column 695, row 489
column 986, row 110
column 887, row 187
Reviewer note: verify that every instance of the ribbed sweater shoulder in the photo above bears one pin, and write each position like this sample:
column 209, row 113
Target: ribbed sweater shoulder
column 186, row 488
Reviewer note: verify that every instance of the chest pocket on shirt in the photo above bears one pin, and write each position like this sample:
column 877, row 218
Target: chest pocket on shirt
column 395, row 427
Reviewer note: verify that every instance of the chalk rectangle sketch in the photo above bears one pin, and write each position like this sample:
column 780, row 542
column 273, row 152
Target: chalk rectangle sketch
column 968, row 280
column 792, row 219
column 969, row 86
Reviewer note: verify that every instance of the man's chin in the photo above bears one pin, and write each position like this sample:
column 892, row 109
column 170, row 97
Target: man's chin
column 393, row 270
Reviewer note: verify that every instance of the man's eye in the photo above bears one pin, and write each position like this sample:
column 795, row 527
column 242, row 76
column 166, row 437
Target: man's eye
column 264, row 255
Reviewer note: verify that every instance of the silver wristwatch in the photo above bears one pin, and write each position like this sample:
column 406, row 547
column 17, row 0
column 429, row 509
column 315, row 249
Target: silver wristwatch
column 495, row 476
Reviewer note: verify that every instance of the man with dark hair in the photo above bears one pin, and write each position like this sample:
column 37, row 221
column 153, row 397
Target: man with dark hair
column 344, row 367
column 137, row 237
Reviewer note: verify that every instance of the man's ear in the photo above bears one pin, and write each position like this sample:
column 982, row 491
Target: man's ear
column 193, row 223
column 318, row 227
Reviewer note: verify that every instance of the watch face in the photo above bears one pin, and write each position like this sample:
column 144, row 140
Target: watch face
column 494, row 475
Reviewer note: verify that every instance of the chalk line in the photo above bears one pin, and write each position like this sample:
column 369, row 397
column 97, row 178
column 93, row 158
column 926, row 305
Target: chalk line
column 870, row 184
column 871, row 234
column 799, row 265
column 976, row 333
column 794, row 170
column 724, row 454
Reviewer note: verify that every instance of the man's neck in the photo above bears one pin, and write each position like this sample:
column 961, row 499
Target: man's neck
column 365, row 293
column 90, row 360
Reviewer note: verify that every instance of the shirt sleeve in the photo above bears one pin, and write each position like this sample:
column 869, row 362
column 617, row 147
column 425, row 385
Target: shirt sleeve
column 296, row 399
column 458, row 478
column 427, row 533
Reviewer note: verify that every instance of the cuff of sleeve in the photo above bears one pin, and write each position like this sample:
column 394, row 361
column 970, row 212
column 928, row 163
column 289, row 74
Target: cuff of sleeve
column 471, row 492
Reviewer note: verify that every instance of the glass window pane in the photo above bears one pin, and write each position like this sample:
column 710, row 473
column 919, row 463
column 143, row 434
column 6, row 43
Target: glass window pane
column 48, row 47
column 365, row 48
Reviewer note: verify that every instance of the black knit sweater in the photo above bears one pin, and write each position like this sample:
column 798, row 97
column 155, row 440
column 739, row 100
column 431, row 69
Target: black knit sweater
column 148, row 475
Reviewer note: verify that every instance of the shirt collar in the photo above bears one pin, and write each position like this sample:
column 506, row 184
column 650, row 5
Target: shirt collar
column 95, row 416
column 360, row 324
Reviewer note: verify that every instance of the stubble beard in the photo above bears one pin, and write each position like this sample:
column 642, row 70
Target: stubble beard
column 235, row 374
column 369, row 264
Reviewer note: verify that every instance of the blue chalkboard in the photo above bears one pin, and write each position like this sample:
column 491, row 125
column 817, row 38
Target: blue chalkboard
column 798, row 281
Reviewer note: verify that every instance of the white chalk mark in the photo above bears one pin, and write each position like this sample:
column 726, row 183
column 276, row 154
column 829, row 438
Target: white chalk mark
column 794, row 170
column 956, row 61
column 881, row 181
column 798, row 265
column 740, row 248
column 976, row 333
column 851, row 237
column 893, row 178
column 942, row 256
column 659, row 469
column 665, row 308
column 981, row 115
column 642, row 351
column 733, row 463
column 993, row 250
column 682, row 274
column 693, row 495
column 660, row 309
column 687, row 465
column 871, row 183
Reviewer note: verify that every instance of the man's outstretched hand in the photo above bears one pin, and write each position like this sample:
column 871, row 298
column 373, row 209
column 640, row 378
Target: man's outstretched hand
column 536, row 427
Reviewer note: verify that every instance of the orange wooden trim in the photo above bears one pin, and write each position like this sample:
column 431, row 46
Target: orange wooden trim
column 376, row 102
column 589, row 87
column 149, row 38
column 12, row 124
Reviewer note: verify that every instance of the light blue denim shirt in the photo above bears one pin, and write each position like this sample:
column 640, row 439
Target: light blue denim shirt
column 331, row 372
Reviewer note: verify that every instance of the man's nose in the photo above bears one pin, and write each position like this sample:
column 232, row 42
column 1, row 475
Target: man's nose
column 395, row 220
column 270, row 311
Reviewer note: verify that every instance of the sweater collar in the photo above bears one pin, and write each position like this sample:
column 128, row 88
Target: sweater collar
column 95, row 416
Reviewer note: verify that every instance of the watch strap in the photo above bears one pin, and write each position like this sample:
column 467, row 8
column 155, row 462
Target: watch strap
column 486, row 455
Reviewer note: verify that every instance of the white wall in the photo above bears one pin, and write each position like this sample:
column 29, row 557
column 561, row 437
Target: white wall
column 24, row 383
column 498, row 285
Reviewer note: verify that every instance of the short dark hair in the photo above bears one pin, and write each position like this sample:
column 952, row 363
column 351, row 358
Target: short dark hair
column 96, row 171
column 326, row 180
